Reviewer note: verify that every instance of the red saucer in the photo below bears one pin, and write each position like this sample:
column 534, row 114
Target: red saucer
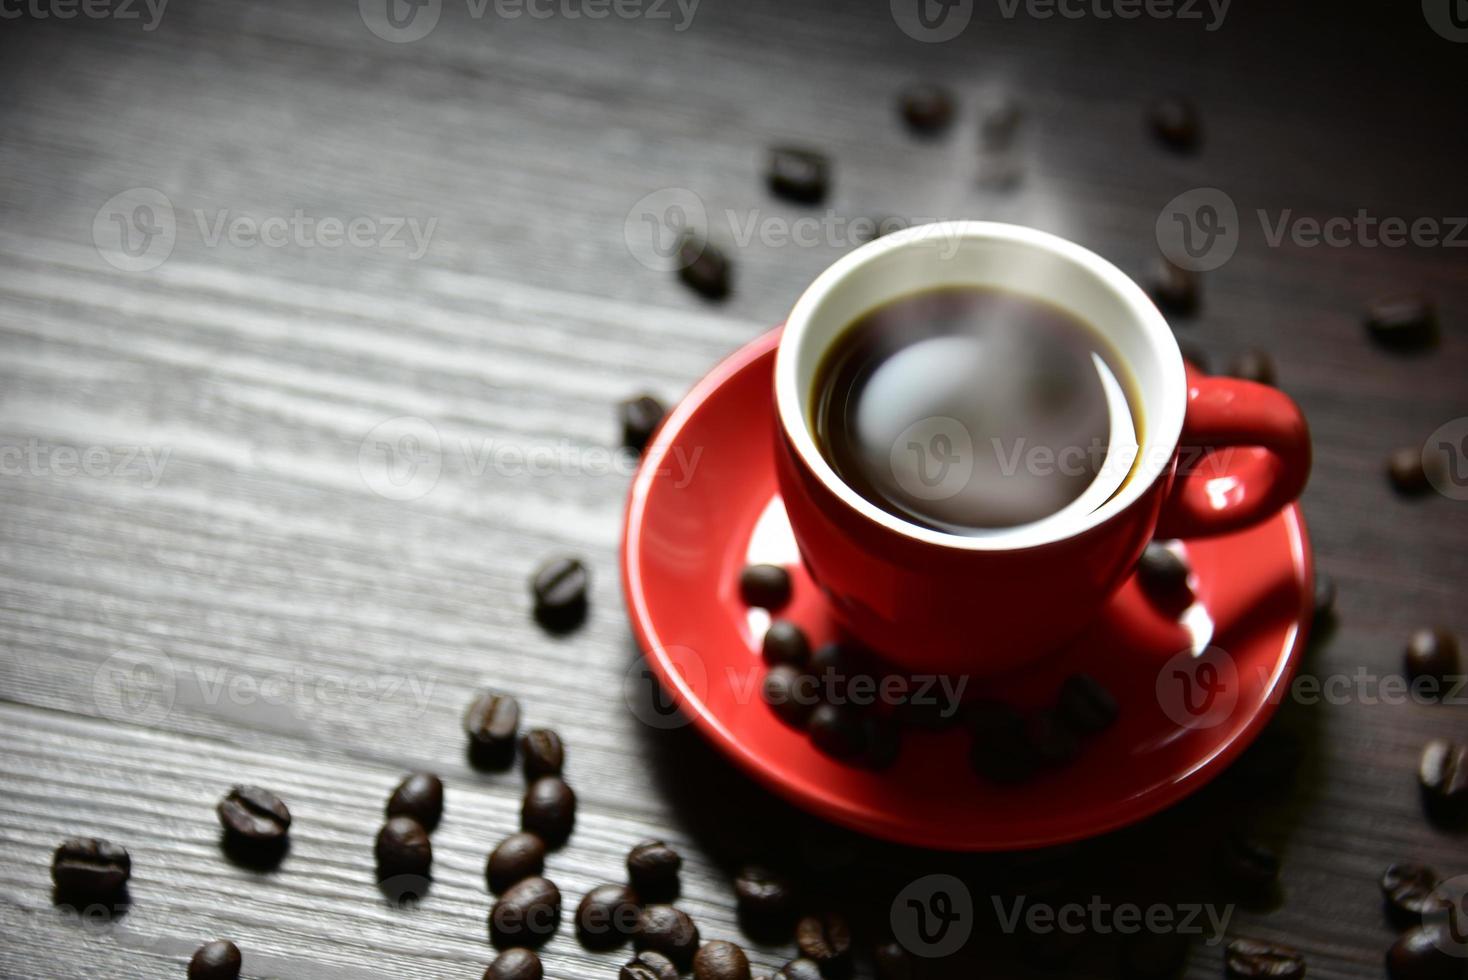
column 704, row 504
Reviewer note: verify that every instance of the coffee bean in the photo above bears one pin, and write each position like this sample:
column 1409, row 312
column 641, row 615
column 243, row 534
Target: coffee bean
column 1254, row 959
column 1253, row 365
column 640, row 418
column 88, row 869
column 492, row 721
column 1247, row 865
column 766, row 586
column 527, row 914
column 1443, row 773
column 517, row 857
column 1402, row 322
column 254, row 814
column 926, row 108
column 1404, row 468
column 720, row 960
column 837, row 730
column 785, row 643
column 790, row 693
column 219, row 960
column 559, row 589
column 999, row 124
column 606, row 917
column 419, row 796
column 703, row 266
column 1176, row 123
column 652, row 868
column 664, row 929
column 799, row 969
column 1001, row 753
column 1423, row 953
column 826, row 939
column 549, row 810
column 1051, row 743
column 1432, row 653
column 1408, row 890
column 799, row 175
column 1084, row 705
column 1324, row 597
column 1163, row 575
column 1174, row 289
column 881, row 741
column 1153, row 955
column 649, row 965
column 541, row 753
column 763, row 895
column 403, row 849
column 515, row 963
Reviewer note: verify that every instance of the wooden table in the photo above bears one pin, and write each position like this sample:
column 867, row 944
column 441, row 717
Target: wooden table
column 310, row 634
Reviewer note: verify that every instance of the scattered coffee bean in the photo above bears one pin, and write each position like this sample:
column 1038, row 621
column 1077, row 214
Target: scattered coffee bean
column 1432, row 653
column 826, row 939
column 606, row 917
column 1408, row 890
column 541, row 753
column 703, row 266
column 1000, row 752
column 720, row 960
column 1248, row 865
column 527, row 914
column 999, row 124
column 1051, row 743
column 649, row 965
column 785, row 643
column 518, row 856
column 403, row 849
column 1084, row 705
column 1254, row 959
column 1176, row 123
column 559, row 589
column 515, row 963
column 1253, row 365
column 881, row 740
column 1153, row 955
column 892, row 962
column 1423, row 953
column 652, row 868
column 1404, row 468
column 219, row 960
column 419, row 796
column 86, row 869
column 763, row 895
column 1443, row 773
column 640, row 417
column 254, row 814
column 926, row 108
column 799, row 175
column 1402, row 322
column 1324, row 597
column 766, row 586
column 799, row 969
column 1163, row 575
column 664, row 929
column 837, row 730
column 790, row 693
column 1174, row 289
column 549, row 810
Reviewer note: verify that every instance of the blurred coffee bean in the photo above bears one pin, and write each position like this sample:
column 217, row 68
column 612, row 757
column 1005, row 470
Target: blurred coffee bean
column 515, row 963
column 1175, row 121
column 799, row 968
column 649, row 965
column 720, row 960
column 1408, row 891
column 419, row 796
column 541, row 753
column 1163, row 575
column 527, row 914
column 881, row 741
column 926, row 108
column 640, row 417
column 652, row 868
column 790, row 693
column 825, row 939
column 703, row 266
column 549, row 810
column 892, row 962
column 1424, row 953
column 1174, row 289
column 1084, row 705
column 1153, row 955
column 1404, row 468
column 664, row 929
column 1324, row 597
column 785, row 643
column 1051, row 742
column 403, row 848
column 1247, row 865
column 1254, row 959
column 518, row 856
column 492, row 721
column 1443, row 774
column 606, row 917
column 999, row 124
column 798, row 175
column 1432, row 653
column 1000, row 751
column 89, row 869
column 219, row 960
column 837, row 731
column 559, row 589
column 254, row 814
column 1253, row 365
column 1402, row 322
column 765, row 586
column 763, row 895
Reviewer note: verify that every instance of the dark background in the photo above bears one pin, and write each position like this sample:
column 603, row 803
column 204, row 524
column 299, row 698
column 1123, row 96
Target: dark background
column 262, row 551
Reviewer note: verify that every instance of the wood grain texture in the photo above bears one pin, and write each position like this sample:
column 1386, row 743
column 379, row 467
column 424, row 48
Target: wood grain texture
column 260, row 555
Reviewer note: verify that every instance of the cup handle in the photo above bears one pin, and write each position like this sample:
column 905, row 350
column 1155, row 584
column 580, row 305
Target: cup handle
column 1244, row 454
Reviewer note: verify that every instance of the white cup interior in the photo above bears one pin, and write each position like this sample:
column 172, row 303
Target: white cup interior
column 1020, row 260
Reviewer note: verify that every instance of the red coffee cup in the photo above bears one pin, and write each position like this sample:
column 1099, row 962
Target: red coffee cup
column 1214, row 455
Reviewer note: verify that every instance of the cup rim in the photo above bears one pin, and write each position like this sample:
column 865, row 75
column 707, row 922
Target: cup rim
column 1163, row 430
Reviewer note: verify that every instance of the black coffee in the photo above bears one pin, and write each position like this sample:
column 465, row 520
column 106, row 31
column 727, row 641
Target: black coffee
column 966, row 409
